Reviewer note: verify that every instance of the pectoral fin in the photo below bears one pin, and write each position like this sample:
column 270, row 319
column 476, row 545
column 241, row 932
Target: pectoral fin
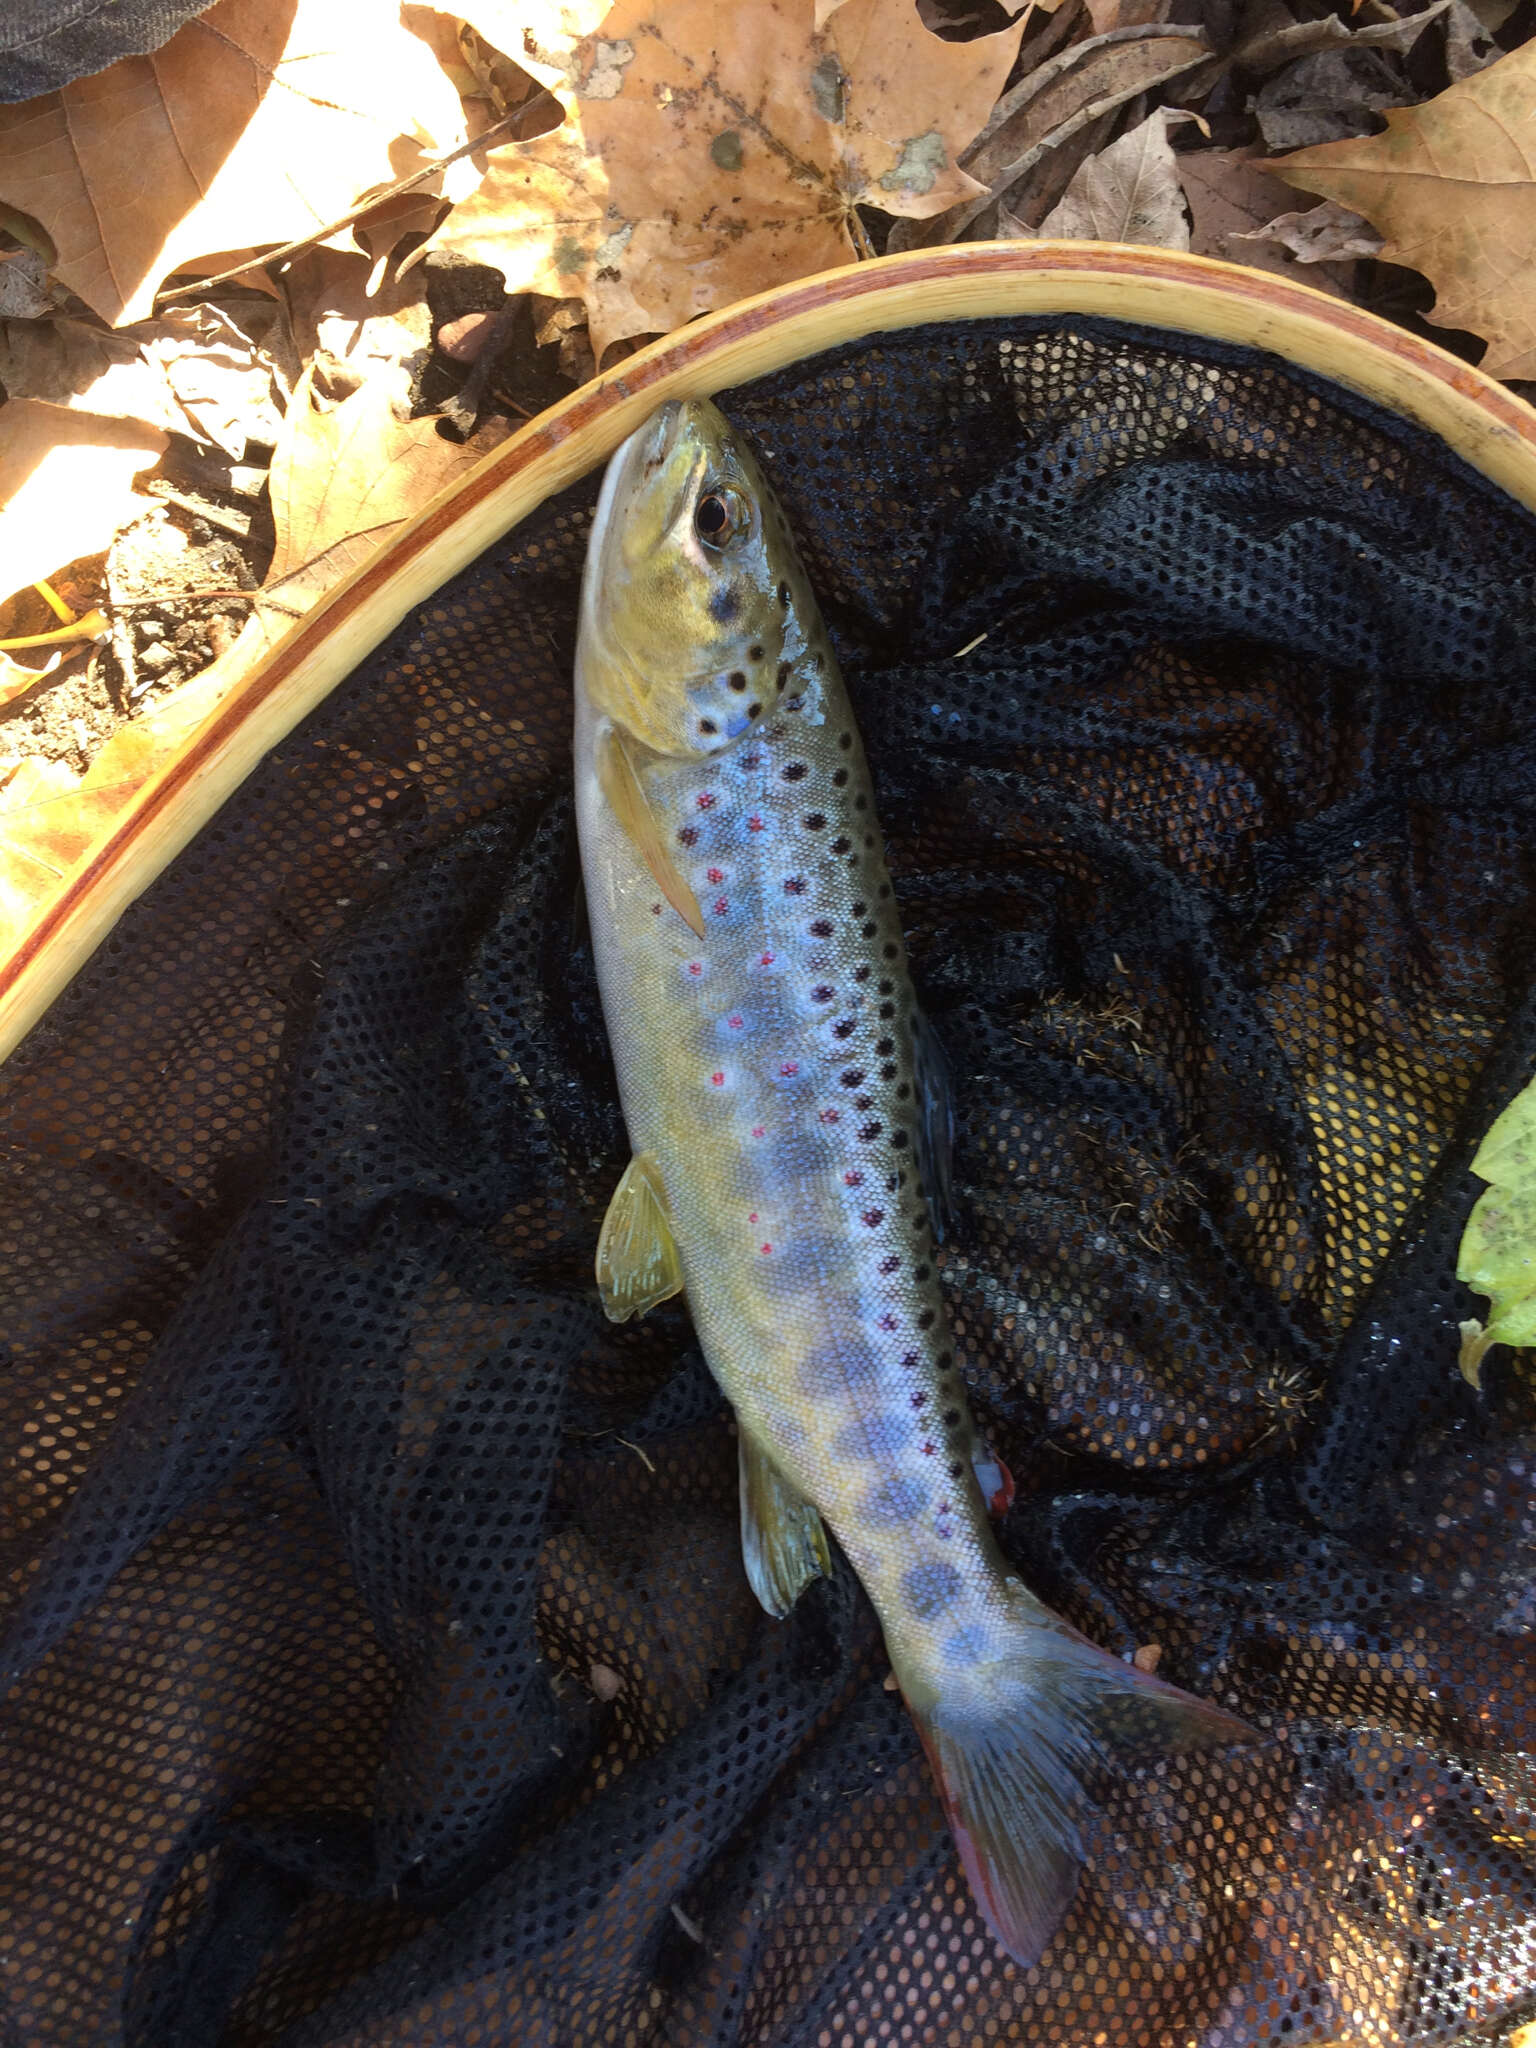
column 627, row 800
column 783, row 1544
column 637, row 1262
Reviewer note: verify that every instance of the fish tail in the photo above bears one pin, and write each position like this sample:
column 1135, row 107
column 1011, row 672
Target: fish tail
column 1012, row 1748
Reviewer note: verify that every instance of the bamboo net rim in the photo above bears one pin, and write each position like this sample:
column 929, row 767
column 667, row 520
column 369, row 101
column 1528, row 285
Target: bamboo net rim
column 1488, row 426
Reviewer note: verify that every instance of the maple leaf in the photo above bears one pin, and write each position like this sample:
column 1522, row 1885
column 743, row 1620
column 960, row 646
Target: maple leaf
column 253, row 126
column 708, row 153
column 1451, row 187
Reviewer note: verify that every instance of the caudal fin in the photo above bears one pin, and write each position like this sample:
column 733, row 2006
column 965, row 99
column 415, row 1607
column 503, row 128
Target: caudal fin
column 1011, row 1753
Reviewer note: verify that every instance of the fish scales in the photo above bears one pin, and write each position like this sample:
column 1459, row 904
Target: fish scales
column 766, row 1040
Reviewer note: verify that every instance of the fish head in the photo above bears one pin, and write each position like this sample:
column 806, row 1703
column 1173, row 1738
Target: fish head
column 692, row 590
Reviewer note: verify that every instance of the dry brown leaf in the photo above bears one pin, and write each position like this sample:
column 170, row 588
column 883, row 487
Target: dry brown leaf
column 1230, row 195
column 343, row 478
column 1451, row 185
column 66, row 484
column 539, row 35
column 1056, row 102
column 707, row 154
column 1111, row 14
column 75, row 363
column 221, row 378
column 1288, row 40
column 254, row 125
column 1329, row 233
column 1129, row 192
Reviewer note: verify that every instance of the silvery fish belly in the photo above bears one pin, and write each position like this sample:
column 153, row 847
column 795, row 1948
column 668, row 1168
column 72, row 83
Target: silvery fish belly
column 788, row 1114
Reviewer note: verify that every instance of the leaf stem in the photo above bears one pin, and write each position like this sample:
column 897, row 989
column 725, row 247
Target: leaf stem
column 407, row 184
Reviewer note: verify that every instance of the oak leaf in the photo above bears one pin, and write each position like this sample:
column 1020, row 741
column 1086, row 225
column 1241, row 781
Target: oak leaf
column 707, row 153
column 253, row 126
column 1451, row 186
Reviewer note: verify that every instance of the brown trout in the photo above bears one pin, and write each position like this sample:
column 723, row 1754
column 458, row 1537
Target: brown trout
column 789, row 1119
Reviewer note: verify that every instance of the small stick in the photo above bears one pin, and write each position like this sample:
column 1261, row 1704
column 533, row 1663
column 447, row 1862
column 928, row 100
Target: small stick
column 345, row 220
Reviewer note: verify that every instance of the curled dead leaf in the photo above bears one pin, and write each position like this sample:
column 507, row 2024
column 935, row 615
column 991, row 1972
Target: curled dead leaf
column 1129, row 192
column 1046, row 110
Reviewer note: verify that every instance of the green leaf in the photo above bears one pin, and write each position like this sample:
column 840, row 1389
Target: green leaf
column 1498, row 1246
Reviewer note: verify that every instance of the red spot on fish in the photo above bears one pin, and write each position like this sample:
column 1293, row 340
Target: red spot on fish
column 766, row 1250
column 751, row 760
column 853, row 1180
column 753, row 1217
column 829, row 1116
column 717, row 1080
column 767, row 960
column 717, row 875
column 705, row 800
column 790, row 1067
column 754, row 824
column 887, row 1321
column 721, row 906
column 757, row 1130
column 734, row 1022
column 873, row 1217
column 919, row 1400
column 695, row 967
column 928, row 1452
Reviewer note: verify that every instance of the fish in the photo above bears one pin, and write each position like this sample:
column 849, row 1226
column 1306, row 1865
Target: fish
column 790, row 1117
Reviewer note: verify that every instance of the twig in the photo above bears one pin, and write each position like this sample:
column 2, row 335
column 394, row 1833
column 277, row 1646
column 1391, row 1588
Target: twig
column 233, row 522
column 345, row 220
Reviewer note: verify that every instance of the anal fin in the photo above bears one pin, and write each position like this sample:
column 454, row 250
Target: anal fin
column 637, row 1262
column 783, row 1543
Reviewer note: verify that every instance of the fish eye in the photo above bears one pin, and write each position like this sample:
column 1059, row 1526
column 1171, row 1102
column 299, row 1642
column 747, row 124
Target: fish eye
column 719, row 516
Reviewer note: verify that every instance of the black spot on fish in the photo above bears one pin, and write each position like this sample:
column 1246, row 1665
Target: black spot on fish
column 859, row 909
column 853, row 1078
column 795, row 772
column 929, row 1588
column 861, row 803
column 921, row 1273
column 890, row 951
column 737, row 680
column 724, row 603
column 861, row 974
column 868, row 930
column 845, row 740
column 887, row 1009
column 841, row 845
column 822, row 928
column 822, row 994
column 899, row 1140
column 754, row 711
column 708, row 725
column 869, row 1131
column 951, row 1417
column 843, row 1028
column 904, row 1089
column 783, row 675
column 927, row 1319
column 889, row 1265
column 884, row 1046
column 813, row 821
column 783, row 590
column 840, row 776
column 687, row 835
column 955, row 1471
column 754, row 654
column 795, row 886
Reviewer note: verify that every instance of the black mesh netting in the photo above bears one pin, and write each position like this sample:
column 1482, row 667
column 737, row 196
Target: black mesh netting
column 381, row 1667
